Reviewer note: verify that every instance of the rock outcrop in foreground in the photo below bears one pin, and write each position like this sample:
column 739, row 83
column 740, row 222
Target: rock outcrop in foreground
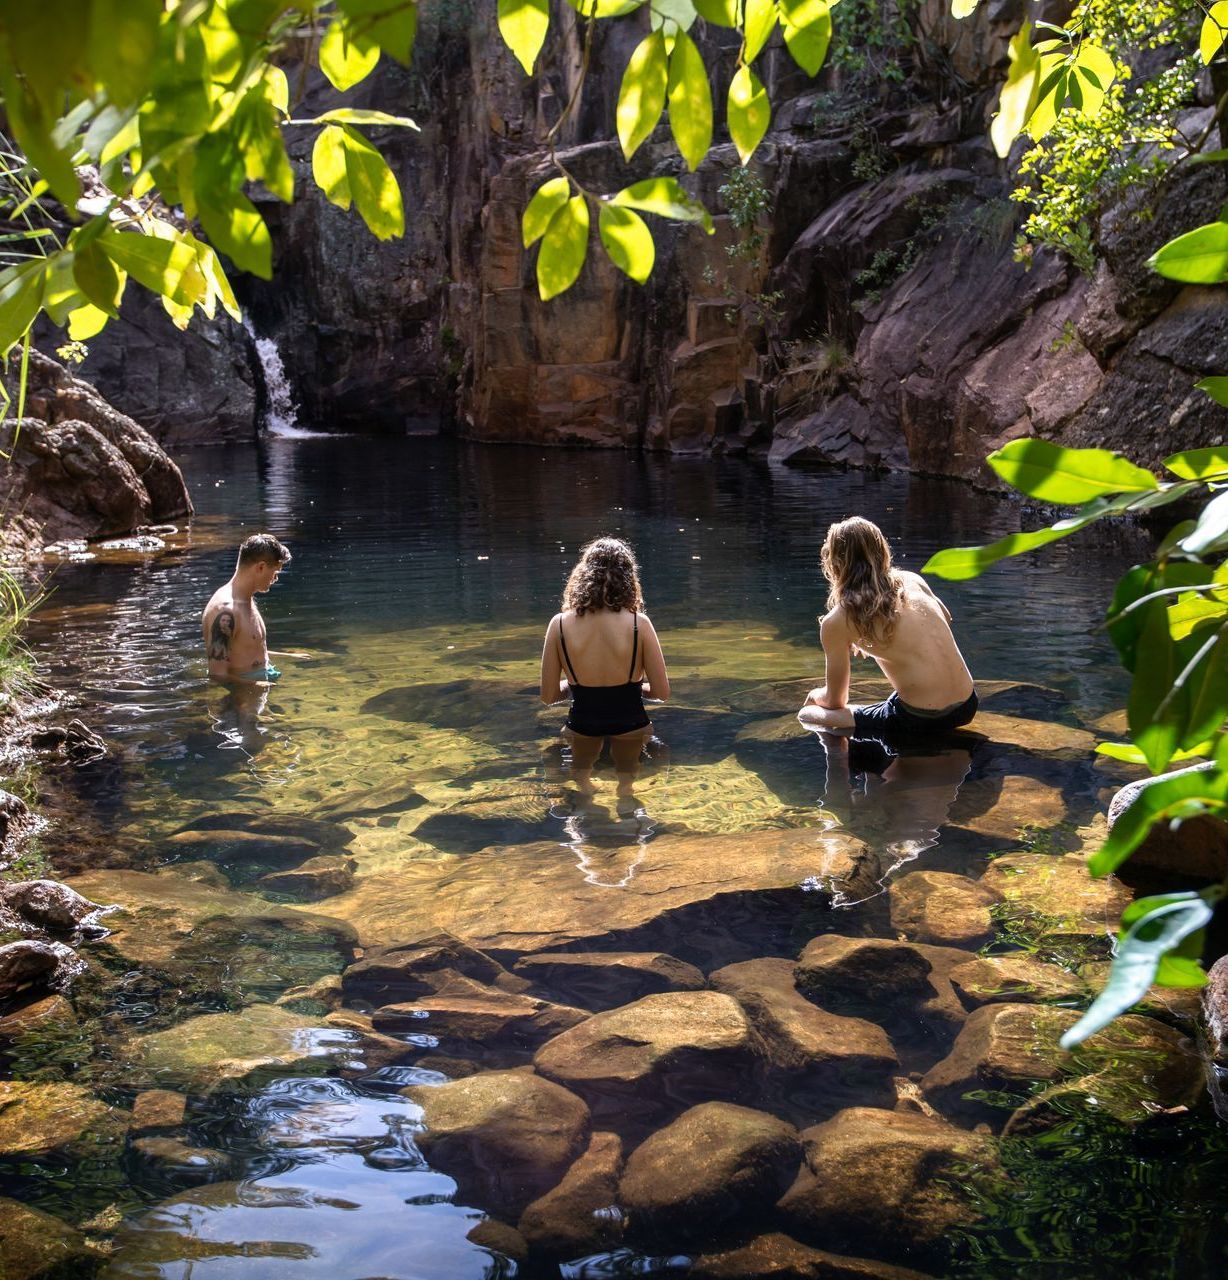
column 78, row 469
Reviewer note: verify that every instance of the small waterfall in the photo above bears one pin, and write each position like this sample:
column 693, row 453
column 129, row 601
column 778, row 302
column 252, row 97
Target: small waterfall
column 281, row 413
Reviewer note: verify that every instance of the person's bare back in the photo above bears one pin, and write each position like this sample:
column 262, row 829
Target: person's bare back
column 892, row 616
column 236, row 643
column 920, row 658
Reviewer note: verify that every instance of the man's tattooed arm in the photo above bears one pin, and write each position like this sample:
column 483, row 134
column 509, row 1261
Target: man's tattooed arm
column 220, row 635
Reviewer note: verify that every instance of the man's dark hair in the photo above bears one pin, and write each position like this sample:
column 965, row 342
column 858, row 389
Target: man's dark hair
column 263, row 546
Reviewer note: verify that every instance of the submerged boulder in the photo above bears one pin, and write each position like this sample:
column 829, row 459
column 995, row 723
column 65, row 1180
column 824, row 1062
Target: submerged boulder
column 36, row 1246
column 1004, row 1049
column 1060, row 892
column 540, row 901
column 323, row 876
column 716, row 1168
column 886, row 1182
column 941, row 908
column 579, row 1216
column 779, row 1257
column 489, row 1018
column 655, row 1054
column 219, row 1051
column 606, row 979
column 506, row 1137
column 1014, row 979
column 823, row 1053
column 407, row 970
column 60, row 1119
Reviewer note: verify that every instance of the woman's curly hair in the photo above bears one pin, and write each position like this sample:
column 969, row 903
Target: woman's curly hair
column 605, row 577
column 856, row 561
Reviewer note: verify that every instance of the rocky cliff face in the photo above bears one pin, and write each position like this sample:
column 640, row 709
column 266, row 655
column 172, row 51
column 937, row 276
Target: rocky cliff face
column 877, row 315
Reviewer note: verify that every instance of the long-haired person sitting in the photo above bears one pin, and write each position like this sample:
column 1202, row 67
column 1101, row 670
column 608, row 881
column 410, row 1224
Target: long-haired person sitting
column 892, row 616
column 607, row 647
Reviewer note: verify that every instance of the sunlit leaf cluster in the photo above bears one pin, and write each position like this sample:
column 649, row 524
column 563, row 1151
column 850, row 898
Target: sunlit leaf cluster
column 142, row 119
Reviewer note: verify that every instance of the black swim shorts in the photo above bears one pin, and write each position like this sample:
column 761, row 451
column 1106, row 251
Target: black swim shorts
column 896, row 719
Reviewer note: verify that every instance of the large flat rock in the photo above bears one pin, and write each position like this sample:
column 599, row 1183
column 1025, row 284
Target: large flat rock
column 537, row 896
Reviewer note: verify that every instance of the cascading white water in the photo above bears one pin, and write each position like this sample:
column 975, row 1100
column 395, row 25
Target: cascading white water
column 281, row 412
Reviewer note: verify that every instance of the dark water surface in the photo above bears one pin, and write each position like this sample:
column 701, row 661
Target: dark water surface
column 423, row 576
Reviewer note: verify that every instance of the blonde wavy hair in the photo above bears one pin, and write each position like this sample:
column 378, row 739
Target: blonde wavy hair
column 856, row 562
column 605, row 577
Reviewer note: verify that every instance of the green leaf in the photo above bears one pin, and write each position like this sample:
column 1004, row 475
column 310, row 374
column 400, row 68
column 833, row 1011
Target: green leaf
column 1200, row 464
column 32, row 131
column 627, row 240
column 1208, row 688
column 1053, row 474
column 666, row 198
column 236, row 229
column 166, row 266
column 547, row 200
column 959, row 563
column 1189, row 792
column 1157, row 713
column 372, row 186
column 1216, row 388
column 1211, row 529
column 356, row 115
column 1214, row 27
column 123, row 42
column 98, row 278
column 641, row 96
column 1161, row 929
column 722, row 13
column 690, row 101
column 1131, row 596
column 963, row 8
column 1197, row 257
column 523, row 25
column 346, row 58
column 1128, row 753
column 807, row 28
column 328, row 166
column 1207, row 157
column 1018, row 98
column 564, row 246
column 21, row 295
column 749, row 112
column 679, row 12
column 86, row 322
column 760, row 23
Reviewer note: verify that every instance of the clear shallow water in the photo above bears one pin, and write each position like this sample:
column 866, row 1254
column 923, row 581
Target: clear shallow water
column 424, row 574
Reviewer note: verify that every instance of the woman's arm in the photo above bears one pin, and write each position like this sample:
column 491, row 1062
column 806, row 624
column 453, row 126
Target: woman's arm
column 836, row 646
column 553, row 687
column 654, row 661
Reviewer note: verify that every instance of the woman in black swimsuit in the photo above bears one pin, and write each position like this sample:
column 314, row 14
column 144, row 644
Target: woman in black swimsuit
column 598, row 650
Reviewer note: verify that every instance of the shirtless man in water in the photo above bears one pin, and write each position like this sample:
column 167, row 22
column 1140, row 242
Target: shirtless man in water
column 892, row 616
column 235, row 638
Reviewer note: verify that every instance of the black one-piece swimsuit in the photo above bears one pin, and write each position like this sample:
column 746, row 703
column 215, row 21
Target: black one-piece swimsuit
column 606, row 710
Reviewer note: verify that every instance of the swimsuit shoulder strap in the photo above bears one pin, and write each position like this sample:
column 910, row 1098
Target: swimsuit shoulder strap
column 635, row 640
column 571, row 671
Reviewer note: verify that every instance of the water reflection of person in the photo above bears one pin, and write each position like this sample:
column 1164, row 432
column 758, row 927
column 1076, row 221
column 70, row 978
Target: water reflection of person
column 896, row 795
column 236, row 719
column 603, row 633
